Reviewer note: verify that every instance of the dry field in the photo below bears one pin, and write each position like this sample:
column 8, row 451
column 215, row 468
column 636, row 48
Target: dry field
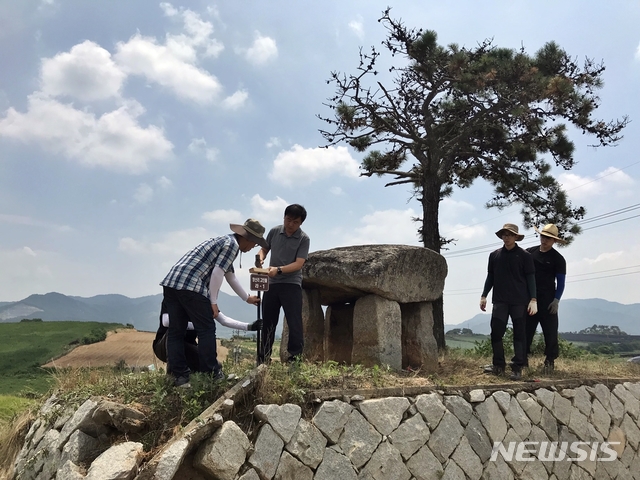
column 129, row 345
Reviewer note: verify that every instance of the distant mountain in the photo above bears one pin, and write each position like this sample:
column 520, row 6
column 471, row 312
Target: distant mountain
column 575, row 315
column 141, row 312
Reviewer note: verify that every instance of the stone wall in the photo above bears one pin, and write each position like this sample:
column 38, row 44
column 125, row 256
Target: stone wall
column 434, row 435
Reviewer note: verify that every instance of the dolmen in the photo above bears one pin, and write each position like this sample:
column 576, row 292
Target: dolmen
column 378, row 301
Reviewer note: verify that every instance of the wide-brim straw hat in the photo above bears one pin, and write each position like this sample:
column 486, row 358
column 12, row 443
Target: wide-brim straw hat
column 510, row 227
column 550, row 230
column 252, row 230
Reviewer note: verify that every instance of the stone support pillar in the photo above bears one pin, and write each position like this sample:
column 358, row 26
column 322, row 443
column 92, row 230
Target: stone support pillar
column 377, row 328
column 313, row 326
column 419, row 347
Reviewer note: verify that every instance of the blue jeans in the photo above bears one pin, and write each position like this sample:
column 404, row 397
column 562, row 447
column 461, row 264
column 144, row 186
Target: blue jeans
column 185, row 306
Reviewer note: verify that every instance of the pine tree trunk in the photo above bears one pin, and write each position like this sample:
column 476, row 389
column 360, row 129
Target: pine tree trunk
column 431, row 240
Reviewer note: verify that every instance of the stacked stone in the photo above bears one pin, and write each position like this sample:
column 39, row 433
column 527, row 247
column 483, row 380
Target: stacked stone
column 432, row 436
column 61, row 439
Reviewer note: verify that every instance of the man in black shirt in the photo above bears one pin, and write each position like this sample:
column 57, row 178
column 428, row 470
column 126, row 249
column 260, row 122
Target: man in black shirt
column 551, row 270
column 511, row 274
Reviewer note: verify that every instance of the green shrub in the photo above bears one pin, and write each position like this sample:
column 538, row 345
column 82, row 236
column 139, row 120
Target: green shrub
column 96, row 335
column 565, row 349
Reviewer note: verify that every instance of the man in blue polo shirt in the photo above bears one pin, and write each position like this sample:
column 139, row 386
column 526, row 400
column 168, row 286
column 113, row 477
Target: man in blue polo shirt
column 289, row 247
column 191, row 295
column 511, row 274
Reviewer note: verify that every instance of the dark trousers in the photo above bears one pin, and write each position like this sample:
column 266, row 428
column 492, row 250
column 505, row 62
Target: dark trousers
column 184, row 306
column 190, row 352
column 549, row 324
column 289, row 297
column 499, row 318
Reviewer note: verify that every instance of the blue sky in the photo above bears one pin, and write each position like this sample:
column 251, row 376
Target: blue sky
column 132, row 131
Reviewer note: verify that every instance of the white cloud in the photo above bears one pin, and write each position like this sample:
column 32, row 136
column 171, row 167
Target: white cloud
column 357, row 27
column 212, row 154
column 197, row 34
column 32, row 222
column 611, row 180
column 24, row 266
column 603, row 258
column 336, row 191
column 385, row 226
column 300, row 166
column 273, row 142
column 143, row 194
column 267, row 211
column 164, row 182
column 168, row 9
column 87, row 72
column 235, row 101
column 450, row 210
column 223, row 216
column 170, row 66
column 453, row 208
column 213, row 11
column 198, row 146
column 173, row 244
column 46, row 4
column 114, row 140
column 638, row 52
column 460, row 231
column 262, row 50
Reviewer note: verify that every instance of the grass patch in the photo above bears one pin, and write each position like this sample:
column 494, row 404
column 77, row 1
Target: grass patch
column 464, row 341
column 26, row 346
column 11, row 406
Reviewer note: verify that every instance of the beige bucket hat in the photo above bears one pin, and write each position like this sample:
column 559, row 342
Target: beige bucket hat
column 510, row 227
column 550, row 230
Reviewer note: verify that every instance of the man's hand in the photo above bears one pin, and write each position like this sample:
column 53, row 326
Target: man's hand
column 216, row 310
column 255, row 326
column 259, row 261
column 483, row 304
column 253, row 299
column 273, row 271
column 553, row 306
column 533, row 307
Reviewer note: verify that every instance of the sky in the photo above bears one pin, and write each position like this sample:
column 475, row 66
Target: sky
column 132, row 131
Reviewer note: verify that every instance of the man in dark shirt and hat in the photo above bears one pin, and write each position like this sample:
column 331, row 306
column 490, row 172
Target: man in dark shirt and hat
column 551, row 270
column 191, row 295
column 511, row 274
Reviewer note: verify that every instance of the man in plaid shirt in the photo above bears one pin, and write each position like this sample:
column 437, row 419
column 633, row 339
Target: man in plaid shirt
column 191, row 295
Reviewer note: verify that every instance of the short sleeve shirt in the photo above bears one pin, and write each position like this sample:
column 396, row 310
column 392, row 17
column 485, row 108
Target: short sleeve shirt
column 548, row 264
column 193, row 270
column 285, row 250
column 510, row 269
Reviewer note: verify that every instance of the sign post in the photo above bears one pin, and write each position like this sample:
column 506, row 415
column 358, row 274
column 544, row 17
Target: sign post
column 259, row 282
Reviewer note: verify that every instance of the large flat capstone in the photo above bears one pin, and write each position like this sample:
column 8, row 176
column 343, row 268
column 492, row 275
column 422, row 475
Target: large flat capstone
column 402, row 273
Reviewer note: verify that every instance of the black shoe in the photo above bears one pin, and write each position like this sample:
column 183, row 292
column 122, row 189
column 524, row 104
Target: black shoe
column 493, row 369
column 516, row 375
column 218, row 376
column 548, row 367
column 182, row 382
